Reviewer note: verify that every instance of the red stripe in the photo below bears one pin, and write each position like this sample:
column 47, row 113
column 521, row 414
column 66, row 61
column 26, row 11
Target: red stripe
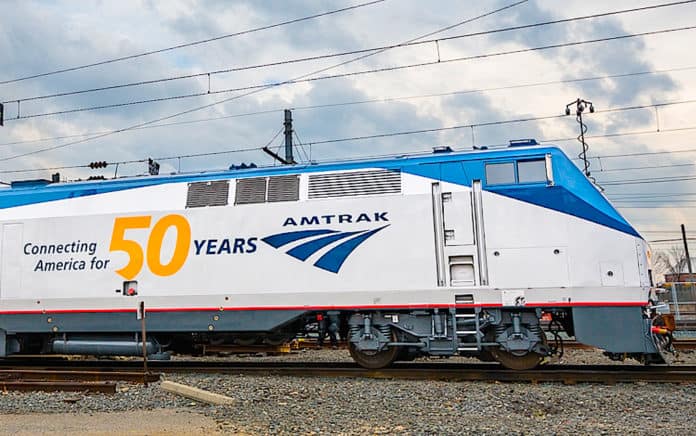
column 591, row 304
column 308, row 307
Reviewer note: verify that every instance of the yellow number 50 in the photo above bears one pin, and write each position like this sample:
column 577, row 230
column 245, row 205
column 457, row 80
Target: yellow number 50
column 154, row 244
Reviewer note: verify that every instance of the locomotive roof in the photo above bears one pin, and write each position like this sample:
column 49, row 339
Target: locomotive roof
column 393, row 161
column 572, row 192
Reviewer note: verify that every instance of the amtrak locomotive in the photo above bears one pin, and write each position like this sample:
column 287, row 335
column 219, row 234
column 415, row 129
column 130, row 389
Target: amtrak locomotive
column 449, row 253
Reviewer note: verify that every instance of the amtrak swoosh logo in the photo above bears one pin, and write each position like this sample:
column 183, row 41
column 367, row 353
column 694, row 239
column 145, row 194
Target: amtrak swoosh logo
column 333, row 259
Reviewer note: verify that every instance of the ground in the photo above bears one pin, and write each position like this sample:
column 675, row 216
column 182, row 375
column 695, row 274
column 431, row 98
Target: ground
column 306, row 405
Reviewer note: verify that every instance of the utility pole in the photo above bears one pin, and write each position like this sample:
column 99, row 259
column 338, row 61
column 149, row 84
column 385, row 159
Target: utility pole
column 288, row 136
column 686, row 249
column 580, row 106
column 2, row 114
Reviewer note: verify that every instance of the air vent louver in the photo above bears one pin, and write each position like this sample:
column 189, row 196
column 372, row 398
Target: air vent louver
column 283, row 188
column 251, row 191
column 203, row 194
column 370, row 182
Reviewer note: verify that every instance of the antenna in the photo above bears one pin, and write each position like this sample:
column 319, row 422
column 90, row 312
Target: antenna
column 580, row 106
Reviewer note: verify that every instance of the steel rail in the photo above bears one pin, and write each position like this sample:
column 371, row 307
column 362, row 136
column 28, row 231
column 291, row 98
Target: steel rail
column 454, row 372
column 75, row 375
column 100, row 380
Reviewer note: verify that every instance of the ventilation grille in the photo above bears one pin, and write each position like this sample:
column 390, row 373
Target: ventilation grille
column 250, row 191
column 213, row 193
column 283, row 188
column 372, row 182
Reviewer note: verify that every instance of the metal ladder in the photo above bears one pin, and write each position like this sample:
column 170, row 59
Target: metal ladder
column 467, row 330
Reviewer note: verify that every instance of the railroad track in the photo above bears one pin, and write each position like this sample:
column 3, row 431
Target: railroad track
column 568, row 374
column 74, row 380
column 679, row 344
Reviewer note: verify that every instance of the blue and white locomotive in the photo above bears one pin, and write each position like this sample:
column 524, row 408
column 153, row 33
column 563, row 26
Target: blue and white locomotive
column 437, row 254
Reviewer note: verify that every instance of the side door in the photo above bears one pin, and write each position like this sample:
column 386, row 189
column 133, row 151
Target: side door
column 454, row 226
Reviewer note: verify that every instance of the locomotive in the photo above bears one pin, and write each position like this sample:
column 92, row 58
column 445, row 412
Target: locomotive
column 440, row 254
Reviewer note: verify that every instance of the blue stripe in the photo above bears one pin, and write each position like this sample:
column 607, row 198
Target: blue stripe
column 580, row 199
column 334, row 258
column 577, row 196
column 20, row 196
column 281, row 239
column 302, row 252
column 560, row 199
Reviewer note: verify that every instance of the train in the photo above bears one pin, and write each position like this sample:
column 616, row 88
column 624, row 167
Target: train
column 470, row 252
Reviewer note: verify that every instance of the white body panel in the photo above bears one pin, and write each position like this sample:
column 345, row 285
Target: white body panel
column 548, row 257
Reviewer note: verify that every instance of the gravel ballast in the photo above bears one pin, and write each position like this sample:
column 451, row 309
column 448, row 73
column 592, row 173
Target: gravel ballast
column 309, row 405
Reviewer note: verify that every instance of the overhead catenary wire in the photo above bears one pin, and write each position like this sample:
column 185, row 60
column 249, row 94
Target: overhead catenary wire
column 651, row 167
column 344, row 53
column 661, row 231
column 440, row 129
column 238, row 96
column 631, row 201
column 191, row 44
column 344, row 75
column 650, row 195
column 648, row 180
column 656, row 207
column 671, row 240
column 403, row 98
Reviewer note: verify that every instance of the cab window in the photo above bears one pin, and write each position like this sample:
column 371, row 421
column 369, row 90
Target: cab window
column 531, row 171
column 500, row 173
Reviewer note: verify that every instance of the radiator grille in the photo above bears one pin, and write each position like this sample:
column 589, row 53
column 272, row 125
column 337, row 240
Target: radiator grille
column 250, row 191
column 203, row 194
column 283, row 188
column 371, row 182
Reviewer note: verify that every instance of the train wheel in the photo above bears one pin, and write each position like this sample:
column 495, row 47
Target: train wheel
column 520, row 362
column 374, row 359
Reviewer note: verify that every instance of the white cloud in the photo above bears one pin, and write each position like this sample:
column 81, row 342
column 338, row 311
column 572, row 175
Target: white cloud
column 42, row 36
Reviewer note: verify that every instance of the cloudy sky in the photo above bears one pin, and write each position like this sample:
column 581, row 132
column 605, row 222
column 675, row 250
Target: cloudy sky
column 44, row 36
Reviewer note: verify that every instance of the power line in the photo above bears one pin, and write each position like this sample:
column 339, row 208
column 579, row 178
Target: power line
column 648, row 180
column 652, row 201
column 671, row 240
column 656, row 207
column 652, row 195
column 431, row 130
column 346, row 53
column 190, row 44
column 490, row 123
column 619, row 134
column 343, row 75
column 652, row 167
column 238, row 96
column 410, row 97
column 643, row 153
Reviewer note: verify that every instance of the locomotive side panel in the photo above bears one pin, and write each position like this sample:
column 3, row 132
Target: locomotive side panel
column 244, row 249
column 436, row 255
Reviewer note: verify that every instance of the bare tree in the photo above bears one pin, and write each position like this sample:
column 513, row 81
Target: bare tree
column 672, row 261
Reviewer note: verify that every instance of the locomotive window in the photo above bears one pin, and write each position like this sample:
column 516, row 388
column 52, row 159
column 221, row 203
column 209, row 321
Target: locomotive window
column 530, row 171
column 500, row 174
